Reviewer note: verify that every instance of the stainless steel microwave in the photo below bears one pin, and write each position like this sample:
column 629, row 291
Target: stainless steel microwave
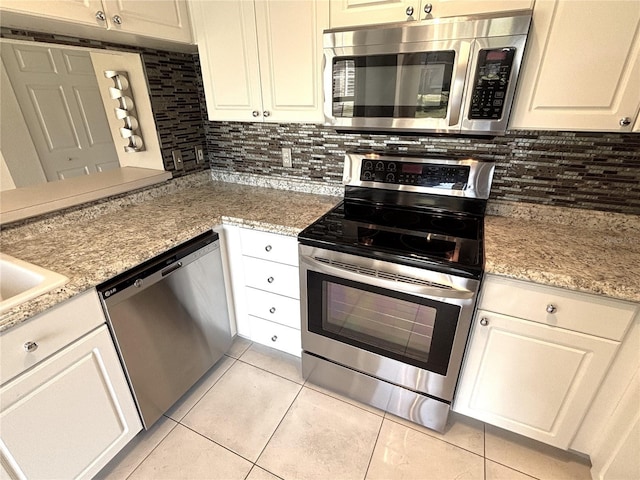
column 445, row 75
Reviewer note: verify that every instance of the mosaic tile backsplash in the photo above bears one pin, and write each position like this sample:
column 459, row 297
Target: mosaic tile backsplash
column 599, row 171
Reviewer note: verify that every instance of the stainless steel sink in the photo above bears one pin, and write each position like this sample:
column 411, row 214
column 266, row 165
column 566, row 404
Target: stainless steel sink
column 21, row 281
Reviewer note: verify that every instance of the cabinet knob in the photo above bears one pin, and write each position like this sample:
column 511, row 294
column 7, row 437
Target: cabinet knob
column 625, row 122
column 268, row 248
column 274, row 338
column 484, row 321
column 270, row 279
column 427, row 8
column 272, row 310
column 551, row 308
column 100, row 16
column 255, row 113
column 409, row 11
column 30, row 347
column 266, row 113
column 117, row 19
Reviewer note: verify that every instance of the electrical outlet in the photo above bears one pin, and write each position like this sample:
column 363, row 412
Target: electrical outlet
column 199, row 154
column 177, row 159
column 286, row 158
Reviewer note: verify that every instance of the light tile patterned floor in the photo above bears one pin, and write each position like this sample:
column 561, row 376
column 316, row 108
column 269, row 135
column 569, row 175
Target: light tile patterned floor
column 253, row 417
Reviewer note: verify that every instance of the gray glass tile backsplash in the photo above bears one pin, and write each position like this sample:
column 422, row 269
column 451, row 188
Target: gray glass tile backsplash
column 599, row 171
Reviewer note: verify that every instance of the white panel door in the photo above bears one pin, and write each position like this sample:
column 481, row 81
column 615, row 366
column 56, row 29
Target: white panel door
column 581, row 70
column 228, row 48
column 290, row 52
column 167, row 19
column 530, row 378
column 58, row 93
column 70, row 414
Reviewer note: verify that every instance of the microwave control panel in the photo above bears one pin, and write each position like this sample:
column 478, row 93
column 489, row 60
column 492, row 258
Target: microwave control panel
column 491, row 82
column 420, row 174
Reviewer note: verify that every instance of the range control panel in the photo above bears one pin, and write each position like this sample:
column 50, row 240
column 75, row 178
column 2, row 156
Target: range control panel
column 491, row 82
column 420, row 174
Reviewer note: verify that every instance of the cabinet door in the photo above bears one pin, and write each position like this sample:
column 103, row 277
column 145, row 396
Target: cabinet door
column 69, row 415
column 359, row 12
column 581, row 70
column 166, row 19
column 451, row 8
column 77, row 11
column 228, row 47
column 529, row 378
column 290, row 49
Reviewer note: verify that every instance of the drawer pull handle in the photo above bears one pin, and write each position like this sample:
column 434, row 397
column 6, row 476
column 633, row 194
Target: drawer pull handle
column 272, row 310
column 270, row 279
column 484, row 322
column 30, row 347
column 274, row 338
column 268, row 248
column 551, row 308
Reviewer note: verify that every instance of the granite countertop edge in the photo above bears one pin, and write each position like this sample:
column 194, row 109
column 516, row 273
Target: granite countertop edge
column 514, row 264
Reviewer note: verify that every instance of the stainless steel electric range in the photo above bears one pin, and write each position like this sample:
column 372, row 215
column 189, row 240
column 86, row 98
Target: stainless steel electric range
column 389, row 280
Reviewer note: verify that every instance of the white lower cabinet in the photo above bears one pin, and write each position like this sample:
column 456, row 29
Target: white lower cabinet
column 537, row 374
column 266, row 287
column 69, row 414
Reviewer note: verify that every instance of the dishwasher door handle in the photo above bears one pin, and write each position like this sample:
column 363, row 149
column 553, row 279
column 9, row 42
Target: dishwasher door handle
column 171, row 269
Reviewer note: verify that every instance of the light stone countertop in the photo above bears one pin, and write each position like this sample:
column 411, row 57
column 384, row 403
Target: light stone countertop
column 92, row 250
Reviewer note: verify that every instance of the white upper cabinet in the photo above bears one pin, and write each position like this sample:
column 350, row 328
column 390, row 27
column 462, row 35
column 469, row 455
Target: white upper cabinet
column 161, row 19
column 77, row 11
column 581, row 70
column 359, row 12
column 168, row 19
column 262, row 60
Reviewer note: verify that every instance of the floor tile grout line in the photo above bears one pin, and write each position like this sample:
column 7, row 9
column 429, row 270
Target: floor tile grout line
column 277, row 427
column 205, row 393
column 154, row 448
column 375, row 444
column 434, row 437
column 219, row 444
column 328, row 393
column 269, row 371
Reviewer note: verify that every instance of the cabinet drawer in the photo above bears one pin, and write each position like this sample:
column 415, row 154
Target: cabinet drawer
column 557, row 307
column 52, row 330
column 269, row 246
column 276, row 336
column 272, row 277
column 272, row 307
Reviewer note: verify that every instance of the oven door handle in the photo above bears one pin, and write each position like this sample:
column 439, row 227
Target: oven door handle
column 448, row 291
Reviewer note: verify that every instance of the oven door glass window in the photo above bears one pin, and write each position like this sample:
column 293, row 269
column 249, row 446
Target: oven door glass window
column 405, row 327
column 404, row 85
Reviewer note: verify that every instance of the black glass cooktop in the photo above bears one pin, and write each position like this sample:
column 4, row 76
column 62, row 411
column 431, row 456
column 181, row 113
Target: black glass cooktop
column 441, row 241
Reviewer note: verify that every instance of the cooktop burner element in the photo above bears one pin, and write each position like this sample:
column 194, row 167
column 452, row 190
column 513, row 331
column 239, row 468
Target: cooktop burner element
column 436, row 224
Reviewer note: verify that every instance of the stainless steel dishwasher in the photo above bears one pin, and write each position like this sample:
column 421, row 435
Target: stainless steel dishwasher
column 170, row 322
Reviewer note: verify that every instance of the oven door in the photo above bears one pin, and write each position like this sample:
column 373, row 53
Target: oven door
column 418, row 85
column 405, row 325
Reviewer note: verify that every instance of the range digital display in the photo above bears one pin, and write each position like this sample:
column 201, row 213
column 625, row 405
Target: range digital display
column 414, row 168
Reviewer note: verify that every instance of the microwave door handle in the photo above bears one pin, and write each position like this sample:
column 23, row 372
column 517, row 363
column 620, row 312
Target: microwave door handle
column 425, row 290
column 454, row 116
